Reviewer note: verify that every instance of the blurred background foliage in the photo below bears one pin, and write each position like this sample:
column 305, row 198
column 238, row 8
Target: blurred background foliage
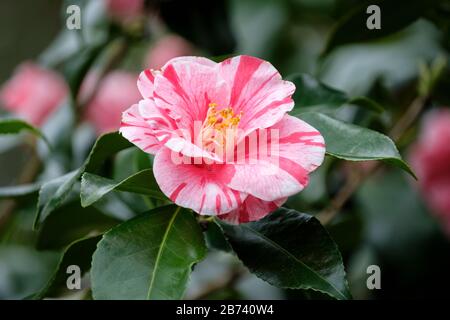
column 385, row 223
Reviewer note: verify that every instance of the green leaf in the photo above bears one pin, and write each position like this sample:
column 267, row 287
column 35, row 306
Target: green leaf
column 105, row 146
column 72, row 222
column 78, row 253
column 15, row 126
column 289, row 249
column 310, row 92
column 94, row 187
column 395, row 15
column 215, row 238
column 19, row 191
column 354, row 143
column 148, row 257
column 53, row 193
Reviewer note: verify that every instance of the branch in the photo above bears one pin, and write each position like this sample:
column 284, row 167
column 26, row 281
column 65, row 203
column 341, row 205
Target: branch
column 359, row 174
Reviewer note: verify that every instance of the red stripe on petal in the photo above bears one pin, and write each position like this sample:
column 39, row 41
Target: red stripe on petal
column 218, row 204
column 313, row 143
column 243, row 103
column 149, row 146
column 177, row 191
column 245, row 70
column 237, row 196
column 148, row 73
column 295, row 170
column 202, row 203
column 273, row 105
column 297, row 136
column 227, row 196
column 171, row 75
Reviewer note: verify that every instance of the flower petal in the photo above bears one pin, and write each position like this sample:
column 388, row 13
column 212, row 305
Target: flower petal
column 137, row 126
column 145, row 83
column 257, row 91
column 199, row 188
column 185, row 88
column 274, row 175
column 251, row 210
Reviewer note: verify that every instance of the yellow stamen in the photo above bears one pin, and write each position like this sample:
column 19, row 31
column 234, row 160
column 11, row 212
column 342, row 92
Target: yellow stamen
column 214, row 130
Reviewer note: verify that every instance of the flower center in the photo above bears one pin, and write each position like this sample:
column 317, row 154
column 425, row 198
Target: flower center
column 219, row 129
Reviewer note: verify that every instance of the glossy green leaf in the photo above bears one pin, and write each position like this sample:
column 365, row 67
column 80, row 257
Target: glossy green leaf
column 148, row 257
column 105, row 146
column 78, row 253
column 310, row 93
column 289, row 249
column 53, row 193
column 215, row 238
column 15, row 126
column 19, row 191
column 72, row 222
column 395, row 15
column 94, row 187
column 354, row 143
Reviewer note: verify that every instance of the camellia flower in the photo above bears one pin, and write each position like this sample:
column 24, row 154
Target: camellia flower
column 166, row 48
column 201, row 120
column 33, row 93
column 114, row 94
column 430, row 158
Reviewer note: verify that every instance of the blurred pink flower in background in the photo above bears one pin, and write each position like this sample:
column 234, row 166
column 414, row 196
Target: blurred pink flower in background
column 114, row 94
column 430, row 158
column 124, row 9
column 166, row 48
column 33, row 93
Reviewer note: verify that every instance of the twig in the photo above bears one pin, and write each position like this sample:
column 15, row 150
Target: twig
column 359, row 174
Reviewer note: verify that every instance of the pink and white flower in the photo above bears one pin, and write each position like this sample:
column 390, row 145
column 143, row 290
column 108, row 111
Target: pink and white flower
column 33, row 93
column 114, row 94
column 430, row 158
column 193, row 108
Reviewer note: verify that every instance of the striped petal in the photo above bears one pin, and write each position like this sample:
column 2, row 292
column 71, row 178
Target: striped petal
column 145, row 83
column 257, row 91
column 202, row 189
column 271, row 176
column 251, row 210
column 147, row 126
column 185, row 88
